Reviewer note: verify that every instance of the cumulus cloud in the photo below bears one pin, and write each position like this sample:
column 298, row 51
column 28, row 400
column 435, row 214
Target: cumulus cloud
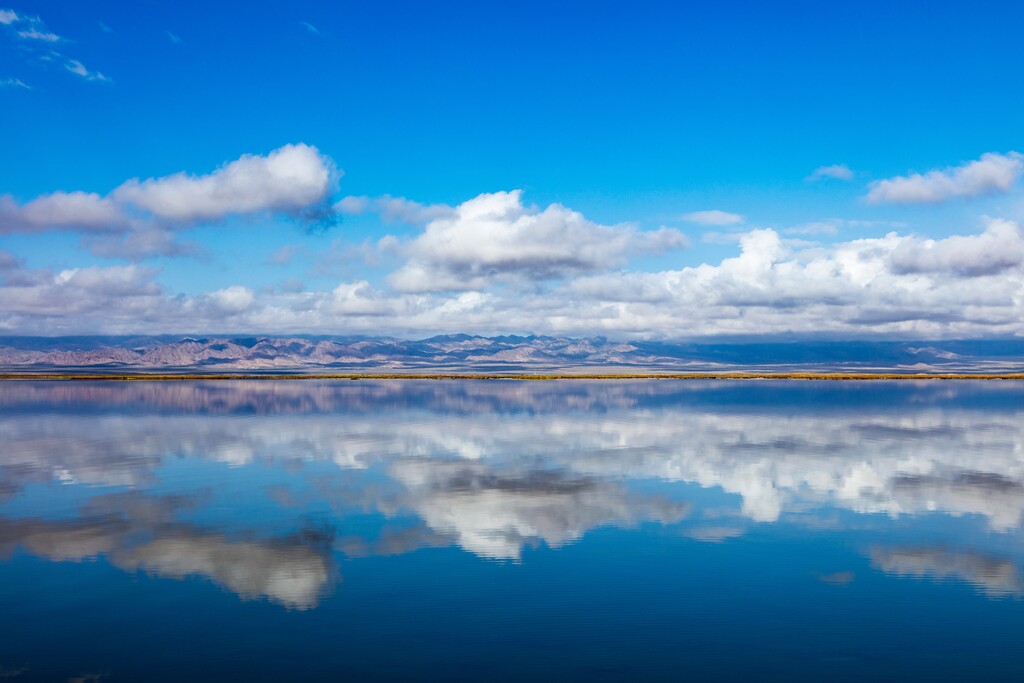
column 288, row 180
column 231, row 300
column 494, row 236
column 1000, row 247
column 990, row 174
column 713, row 217
column 482, row 271
column 82, row 211
column 835, row 171
column 139, row 217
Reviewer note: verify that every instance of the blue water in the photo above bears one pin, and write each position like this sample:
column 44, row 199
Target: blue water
column 569, row 530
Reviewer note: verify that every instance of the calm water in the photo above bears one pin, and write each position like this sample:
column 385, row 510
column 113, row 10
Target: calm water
column 418, row 530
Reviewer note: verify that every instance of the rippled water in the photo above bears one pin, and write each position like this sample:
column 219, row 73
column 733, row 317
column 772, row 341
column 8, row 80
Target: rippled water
column 580, row 530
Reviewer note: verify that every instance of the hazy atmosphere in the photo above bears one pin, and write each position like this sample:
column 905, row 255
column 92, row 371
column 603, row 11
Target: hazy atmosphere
column 658, row 171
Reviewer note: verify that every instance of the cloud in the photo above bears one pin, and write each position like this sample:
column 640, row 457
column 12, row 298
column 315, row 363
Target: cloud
column 231, row 300
column 77, row 68
column 713, row 217
column 291, row 179
column 835, row 171
column 284, row 255
column 140, row 217
column 39, row 44
column 394, row 209
column 14, row 83
column 990, row 174
column 815, row 228
column 27, row 27
column 495, row 236
column 174, row 38
column 81, row 211
column 8, row 260
column 310, row 28
column 999, row 248
column 485, row 274
column 36, row 34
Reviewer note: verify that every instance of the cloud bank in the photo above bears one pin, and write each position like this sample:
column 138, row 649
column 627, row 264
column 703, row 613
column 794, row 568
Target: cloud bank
column 483, row 270
column 494, row 264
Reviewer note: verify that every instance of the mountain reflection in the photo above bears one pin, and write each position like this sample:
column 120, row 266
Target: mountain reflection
column 492, row 467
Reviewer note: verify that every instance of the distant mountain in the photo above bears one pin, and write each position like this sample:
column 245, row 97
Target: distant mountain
column 468, row 352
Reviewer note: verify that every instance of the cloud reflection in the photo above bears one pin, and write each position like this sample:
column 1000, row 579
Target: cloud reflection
column 496, row 467
column 141, row 534
column 995, row 576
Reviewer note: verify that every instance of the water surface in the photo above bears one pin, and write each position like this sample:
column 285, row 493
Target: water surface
column 489, row 530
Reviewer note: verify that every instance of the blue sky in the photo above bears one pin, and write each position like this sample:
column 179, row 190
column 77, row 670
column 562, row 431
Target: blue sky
column 611, row 128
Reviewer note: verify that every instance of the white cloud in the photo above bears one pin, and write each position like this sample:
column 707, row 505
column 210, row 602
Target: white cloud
column 77, row 68
column 140, row 216
column 174, row 38
column 310, row 28
column 815, row 228
column 895, row 285
column 359, row 298
column 1000, row 247
column 14, row 83
column 713, row 217
column 231, row 300
column 990, row 174
column 38, row 43
column 394, row 209
column 718, row 237
column 84, row 211
column 290, row 179
column 8, row 260
column 835, row 171
column 36, row 34
column 495, row 236
column 353, row 205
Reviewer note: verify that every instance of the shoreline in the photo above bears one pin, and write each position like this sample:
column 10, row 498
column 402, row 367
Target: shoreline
column 519, row 376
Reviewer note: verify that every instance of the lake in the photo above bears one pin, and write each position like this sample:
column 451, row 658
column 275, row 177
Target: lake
column 511, row 530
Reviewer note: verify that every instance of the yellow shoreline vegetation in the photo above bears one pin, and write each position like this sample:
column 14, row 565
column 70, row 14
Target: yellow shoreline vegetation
column 732, row 375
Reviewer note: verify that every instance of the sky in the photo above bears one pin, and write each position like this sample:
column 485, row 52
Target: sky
column 630, row 170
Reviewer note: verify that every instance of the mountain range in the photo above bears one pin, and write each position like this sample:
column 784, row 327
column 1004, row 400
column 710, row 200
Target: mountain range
column 499, row 353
